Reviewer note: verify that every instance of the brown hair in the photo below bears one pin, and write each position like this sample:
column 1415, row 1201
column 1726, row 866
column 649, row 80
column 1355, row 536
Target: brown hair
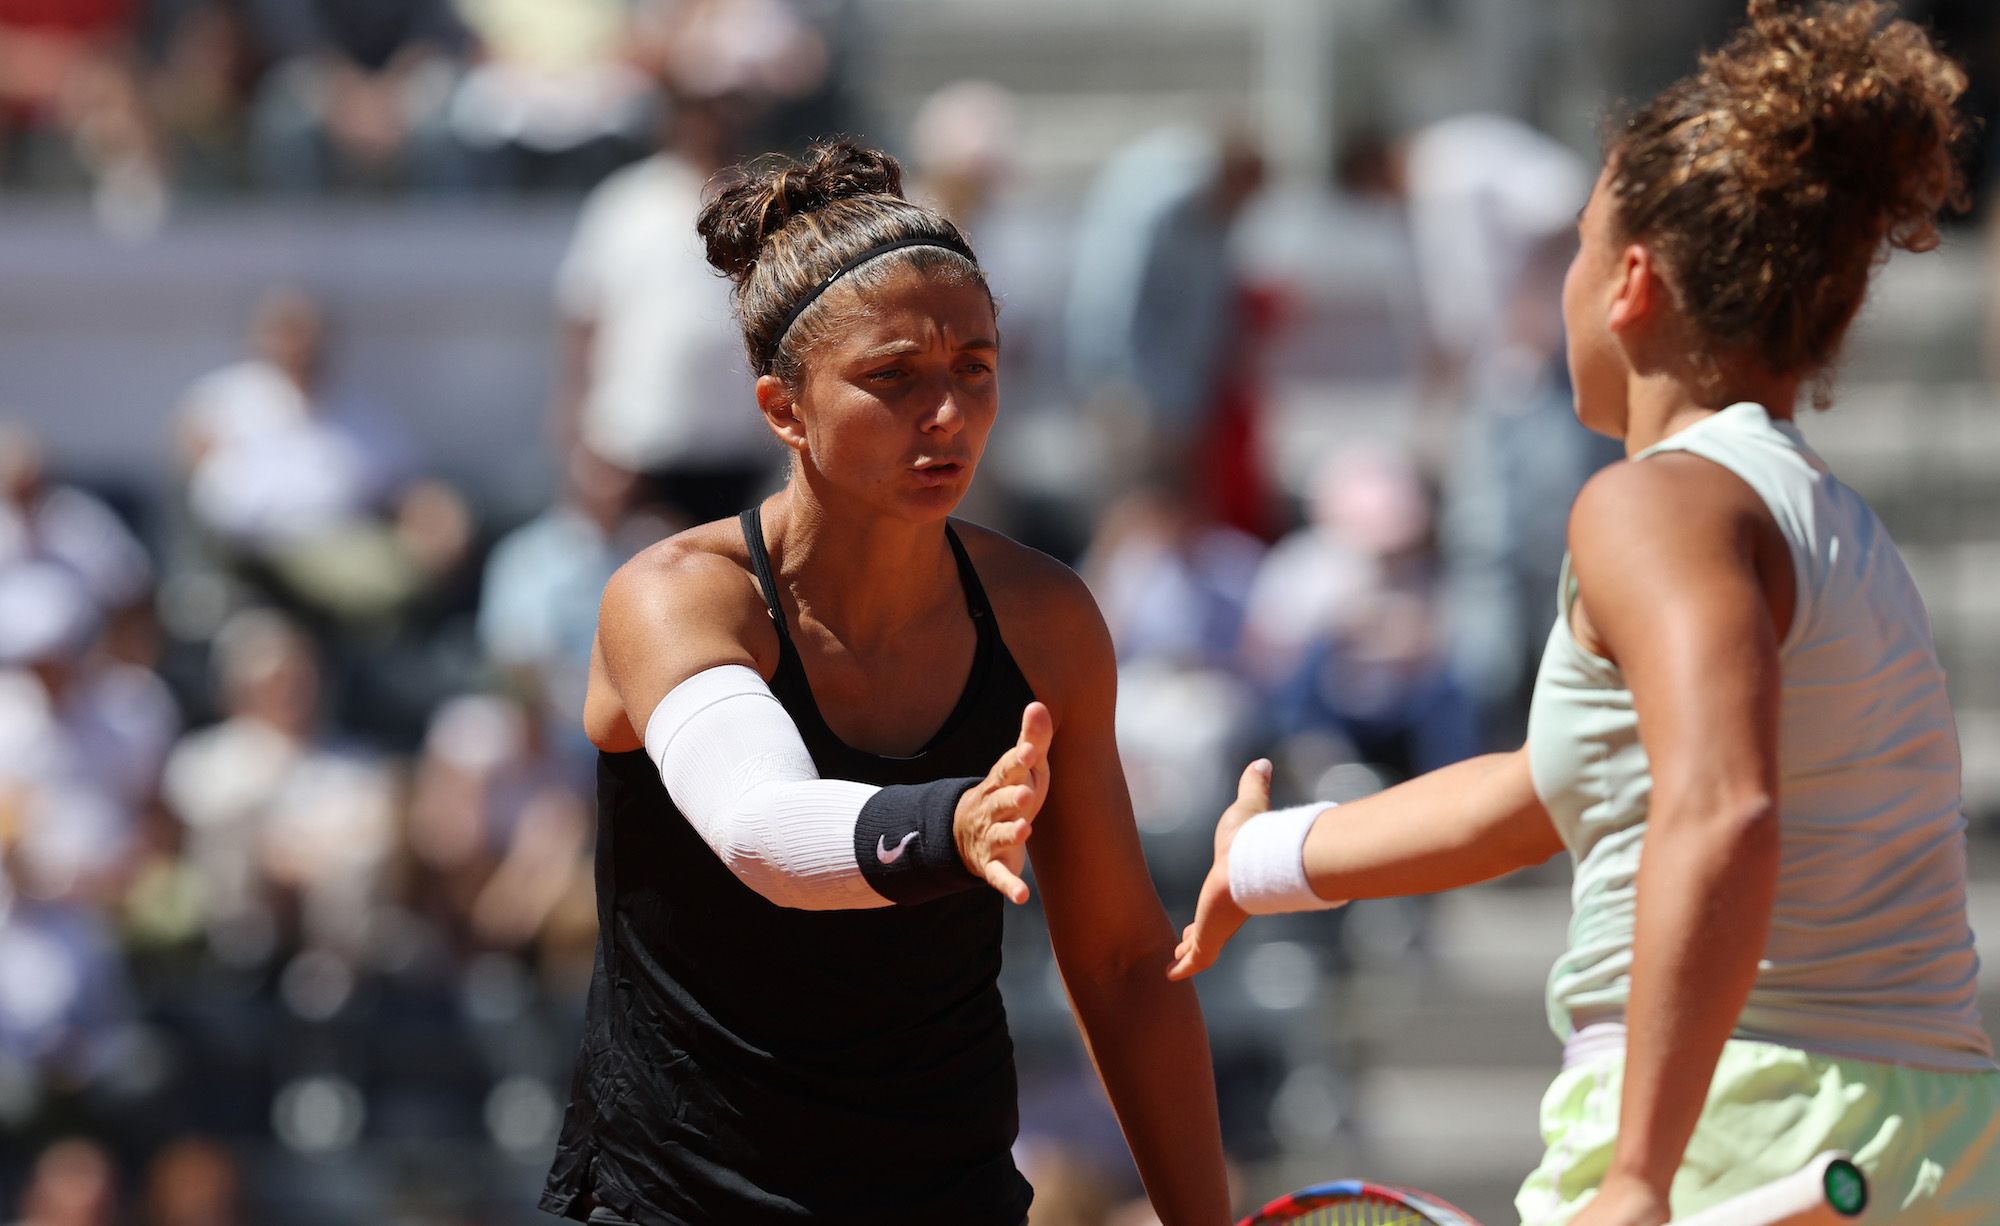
column 1767, row 182
column 781, row 226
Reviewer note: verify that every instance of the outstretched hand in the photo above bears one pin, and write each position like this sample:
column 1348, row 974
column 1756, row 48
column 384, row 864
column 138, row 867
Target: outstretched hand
column 1216, row 916
column 1625, row 1201
column 997, row 815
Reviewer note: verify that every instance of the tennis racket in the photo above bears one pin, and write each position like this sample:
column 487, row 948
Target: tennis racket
column 1830, row 1190
column 1351, row 1202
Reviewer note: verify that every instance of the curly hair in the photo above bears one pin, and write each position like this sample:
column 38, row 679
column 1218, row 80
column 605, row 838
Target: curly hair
column 1768, row 183
column 781, row 226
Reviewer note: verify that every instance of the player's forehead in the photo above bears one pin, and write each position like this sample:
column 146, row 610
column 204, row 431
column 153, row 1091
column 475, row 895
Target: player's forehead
column 912, row 311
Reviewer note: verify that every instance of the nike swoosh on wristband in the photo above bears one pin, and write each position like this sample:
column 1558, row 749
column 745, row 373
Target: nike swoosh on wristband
column 886, row 856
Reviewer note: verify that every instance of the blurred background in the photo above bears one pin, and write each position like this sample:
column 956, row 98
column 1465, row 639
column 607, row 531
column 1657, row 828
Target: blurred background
column 347, row 346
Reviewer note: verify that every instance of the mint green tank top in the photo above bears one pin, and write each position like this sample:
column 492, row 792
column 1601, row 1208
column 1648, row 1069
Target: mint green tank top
column 1869, row 954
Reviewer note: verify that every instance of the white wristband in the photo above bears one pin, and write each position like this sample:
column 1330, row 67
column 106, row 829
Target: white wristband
column 1267, row 862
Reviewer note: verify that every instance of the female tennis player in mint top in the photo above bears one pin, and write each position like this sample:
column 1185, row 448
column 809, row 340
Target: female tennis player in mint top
column 1740, row 729
column 828, row 730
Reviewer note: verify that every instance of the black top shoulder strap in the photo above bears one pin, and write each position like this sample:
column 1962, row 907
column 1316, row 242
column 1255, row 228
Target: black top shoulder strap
column 968, row 578
column 760, row 561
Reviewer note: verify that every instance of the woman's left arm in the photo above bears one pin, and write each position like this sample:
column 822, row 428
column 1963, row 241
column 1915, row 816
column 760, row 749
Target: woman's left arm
column 1111, row 935
column 1685, row 583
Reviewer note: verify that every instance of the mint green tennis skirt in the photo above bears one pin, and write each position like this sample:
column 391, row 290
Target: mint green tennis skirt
column 1929, row 1141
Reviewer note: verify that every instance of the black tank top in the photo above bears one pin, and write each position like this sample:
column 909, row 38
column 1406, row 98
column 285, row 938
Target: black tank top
column 745, row 1063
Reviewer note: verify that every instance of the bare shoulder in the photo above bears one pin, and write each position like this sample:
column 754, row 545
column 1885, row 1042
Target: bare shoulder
column 1675, row 536
column 1047, row 615
column 1675, row 497
column 691, row 595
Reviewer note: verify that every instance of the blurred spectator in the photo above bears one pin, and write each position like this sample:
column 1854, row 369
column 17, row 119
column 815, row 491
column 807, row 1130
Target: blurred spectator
column 68, row 70
column 358, row 96
column 1484, row 195
column 43, row 519
column 280, row 821
column 74, row 1184
column 1343, row 622
column 497, row 820
column 309, row 494
column 82, row 737
column 963, row 145
column 1156, row 314
column 552, row 99
column 64, row 1004
column 751, row 52
column 1492, row 206
column 1171, row 587
column 655, row 380
column 200, row 93
column 538, row 604
column 194, row 1182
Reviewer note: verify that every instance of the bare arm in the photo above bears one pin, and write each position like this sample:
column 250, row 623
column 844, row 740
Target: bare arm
column 1465, row 823
column 1110, row 934
column 1468, row 822
column 1683, row 580
column 684, row 607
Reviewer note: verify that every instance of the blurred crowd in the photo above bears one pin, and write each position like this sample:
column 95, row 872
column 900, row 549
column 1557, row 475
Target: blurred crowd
column 295, row 809
column 141, row 100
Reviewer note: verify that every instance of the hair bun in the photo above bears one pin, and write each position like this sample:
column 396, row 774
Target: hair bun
column 766, row 196
column 1847, row 99
column 1768, row 182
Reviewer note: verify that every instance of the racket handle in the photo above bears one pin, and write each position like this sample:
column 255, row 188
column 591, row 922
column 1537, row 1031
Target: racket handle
column 1831, row 1190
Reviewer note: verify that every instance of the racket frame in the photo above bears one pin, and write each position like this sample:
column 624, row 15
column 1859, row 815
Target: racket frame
column 1305, row 1200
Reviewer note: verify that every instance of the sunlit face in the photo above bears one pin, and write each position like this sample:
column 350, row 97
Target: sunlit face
column 1598, row 366
column 898, row 399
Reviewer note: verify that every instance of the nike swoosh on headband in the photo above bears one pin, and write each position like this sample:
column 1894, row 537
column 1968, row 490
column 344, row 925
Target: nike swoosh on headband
column 886, row 856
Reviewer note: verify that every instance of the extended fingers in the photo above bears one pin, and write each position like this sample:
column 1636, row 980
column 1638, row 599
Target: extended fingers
column 1189, row 957
column 1254, row 788
column 1003, row 835
column 1038, row 731
column 1002, row 878
column 1027, row 761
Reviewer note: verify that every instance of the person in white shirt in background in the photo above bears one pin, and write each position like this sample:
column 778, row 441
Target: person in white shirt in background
column 653, row 378
column 82, row 738
column 272, row 810
column 1485, row 196
column 1491, row 205
column 552, row 100
column 44, row 519
column 305, row 490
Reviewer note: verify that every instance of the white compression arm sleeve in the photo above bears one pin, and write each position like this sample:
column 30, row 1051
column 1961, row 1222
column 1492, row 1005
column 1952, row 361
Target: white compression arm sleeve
column 737, row 769
column 1267, row 862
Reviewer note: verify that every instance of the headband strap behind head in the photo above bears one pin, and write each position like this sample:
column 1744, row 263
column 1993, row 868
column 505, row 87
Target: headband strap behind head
column 778, row 338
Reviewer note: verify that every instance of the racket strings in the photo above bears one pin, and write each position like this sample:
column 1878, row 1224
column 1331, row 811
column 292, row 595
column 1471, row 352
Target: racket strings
column 1355, row 1211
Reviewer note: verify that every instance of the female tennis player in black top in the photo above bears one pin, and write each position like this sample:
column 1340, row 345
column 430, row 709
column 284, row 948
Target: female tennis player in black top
column 828, row 729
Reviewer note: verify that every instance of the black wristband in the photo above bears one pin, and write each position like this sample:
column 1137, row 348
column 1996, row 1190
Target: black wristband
column 904, row 841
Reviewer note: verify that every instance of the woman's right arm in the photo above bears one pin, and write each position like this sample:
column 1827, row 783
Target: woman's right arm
column 1464, row 823
column 676, row 670
column 1469, row 822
